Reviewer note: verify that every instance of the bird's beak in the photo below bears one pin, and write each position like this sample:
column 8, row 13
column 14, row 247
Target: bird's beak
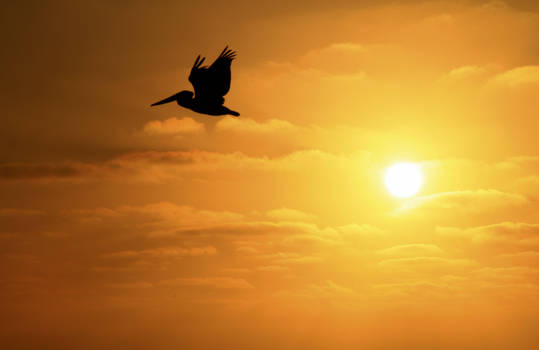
column 166, row 100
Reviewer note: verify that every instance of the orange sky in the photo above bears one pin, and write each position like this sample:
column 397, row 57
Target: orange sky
column 125, row 226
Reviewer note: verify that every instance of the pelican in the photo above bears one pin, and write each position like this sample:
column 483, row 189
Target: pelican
column 210, row 85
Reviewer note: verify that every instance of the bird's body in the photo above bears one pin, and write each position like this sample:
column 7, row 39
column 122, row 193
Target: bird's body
column 210, row 85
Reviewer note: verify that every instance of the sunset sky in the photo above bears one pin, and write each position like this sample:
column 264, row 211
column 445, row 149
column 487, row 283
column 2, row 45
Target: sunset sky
column 125, row 226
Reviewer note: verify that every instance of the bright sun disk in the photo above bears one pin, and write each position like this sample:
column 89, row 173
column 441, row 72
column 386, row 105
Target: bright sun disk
column 403, row 179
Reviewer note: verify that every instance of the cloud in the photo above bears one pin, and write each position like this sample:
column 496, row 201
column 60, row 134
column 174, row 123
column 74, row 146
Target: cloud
column 287, row 214
column 168, row 231
column 251, row 126
column 419, row 290
column 526, row 258
column 293, row 229
column 467, row 201
column 199, row 161
column 425, row 263
column 330, row 289
column 173, row 126
column 518, row 277
column 165, row 219
column 132, row 285
column 272, row 268
column 507, row 235
column 30, row 171
column 327, row 290
column 310, row 240
column 209, row 282
column 363, row 230
column 247, row 250
column 163, row 252
column 162, row 166
column 465, row 72
column 528, row 185
column 181, row 216
column 236, row 271
column 362, row 237
column 523, row 165
column 412, row 250
column 518, row 76
column 295, row 259
column 440, row 19
column 474, row 283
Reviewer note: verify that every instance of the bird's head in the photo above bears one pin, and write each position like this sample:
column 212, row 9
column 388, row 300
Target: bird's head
column 184, row 98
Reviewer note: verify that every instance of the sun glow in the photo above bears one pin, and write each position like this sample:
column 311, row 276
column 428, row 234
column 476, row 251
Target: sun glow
column 403, row 179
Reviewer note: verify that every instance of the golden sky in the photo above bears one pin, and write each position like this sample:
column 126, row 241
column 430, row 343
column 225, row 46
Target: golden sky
column 125, row 226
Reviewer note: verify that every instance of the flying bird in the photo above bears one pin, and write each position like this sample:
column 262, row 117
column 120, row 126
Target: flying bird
column 210, row 85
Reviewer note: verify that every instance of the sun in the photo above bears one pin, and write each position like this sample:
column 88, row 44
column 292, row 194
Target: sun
column 403, row 179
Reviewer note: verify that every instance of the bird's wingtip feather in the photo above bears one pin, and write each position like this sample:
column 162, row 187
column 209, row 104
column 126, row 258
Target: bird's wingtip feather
column 228, row 53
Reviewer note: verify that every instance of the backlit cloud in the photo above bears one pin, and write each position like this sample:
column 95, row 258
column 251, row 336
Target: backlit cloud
column 173, row 126
column 465, row 201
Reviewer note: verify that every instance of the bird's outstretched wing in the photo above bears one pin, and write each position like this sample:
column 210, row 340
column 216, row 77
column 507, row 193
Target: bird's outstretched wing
column 220, row 71
column 199, row 76
column 213, row 82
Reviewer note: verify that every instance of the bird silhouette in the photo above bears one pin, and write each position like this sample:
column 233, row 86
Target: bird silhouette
column 210, row 85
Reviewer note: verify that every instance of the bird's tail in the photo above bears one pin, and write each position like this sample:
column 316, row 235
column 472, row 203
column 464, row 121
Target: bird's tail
column 234, row 113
